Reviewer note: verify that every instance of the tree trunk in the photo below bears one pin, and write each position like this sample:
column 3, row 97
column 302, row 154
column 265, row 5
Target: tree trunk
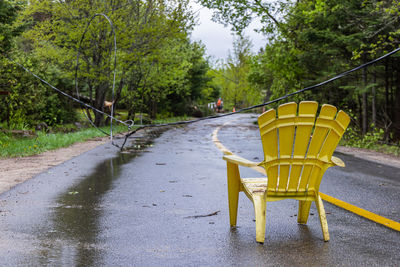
column 268, row 94
column 397, row 115
column 387, row 86
column 117, row 95
column 99, row 104
column 373, row 104
column 359, row 111
column 131, row 113
column 391, row 94
column 153, row 109
column 364, row 104
column 396, row 107
column 8, row 111
column 88, row 114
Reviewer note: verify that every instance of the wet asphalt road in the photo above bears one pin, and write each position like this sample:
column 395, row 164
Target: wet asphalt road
column 139, row 208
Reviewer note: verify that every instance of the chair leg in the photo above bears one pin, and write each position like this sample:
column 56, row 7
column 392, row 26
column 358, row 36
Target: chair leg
column 322, row 218
column 304, row 211
column 260, row 208
column 233, row 191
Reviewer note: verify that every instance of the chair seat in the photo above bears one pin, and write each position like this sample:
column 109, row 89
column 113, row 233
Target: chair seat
column 258, row 186
column 255, row 185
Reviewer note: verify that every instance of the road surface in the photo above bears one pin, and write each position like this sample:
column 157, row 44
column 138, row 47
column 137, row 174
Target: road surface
column 163, row 202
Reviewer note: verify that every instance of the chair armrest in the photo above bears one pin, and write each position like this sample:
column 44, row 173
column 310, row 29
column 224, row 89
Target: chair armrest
column 337, row 161
column 240, row 161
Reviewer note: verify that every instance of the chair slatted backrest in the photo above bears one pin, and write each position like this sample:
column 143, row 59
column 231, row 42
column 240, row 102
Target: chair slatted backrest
column 298, row 148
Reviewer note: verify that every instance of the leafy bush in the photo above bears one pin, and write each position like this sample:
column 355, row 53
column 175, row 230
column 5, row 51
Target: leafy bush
column 30, row 102
column 352, row 138
column 372, row 140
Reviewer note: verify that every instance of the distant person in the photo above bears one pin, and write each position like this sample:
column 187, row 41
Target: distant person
column 219, row 105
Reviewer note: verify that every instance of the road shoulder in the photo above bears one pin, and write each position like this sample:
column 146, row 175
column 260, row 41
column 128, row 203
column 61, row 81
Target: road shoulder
column 370, row 155
column 19, row 169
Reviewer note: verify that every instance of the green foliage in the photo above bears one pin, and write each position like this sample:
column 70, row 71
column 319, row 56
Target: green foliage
column 159, row 70
column 313, row 41
column 233, row 77
column 30, row 102
column 197, row 74
column 373, row 140
column 352, row 138
column 8, row 14
column 239, row 13
column 154, row 54
column 161, row 73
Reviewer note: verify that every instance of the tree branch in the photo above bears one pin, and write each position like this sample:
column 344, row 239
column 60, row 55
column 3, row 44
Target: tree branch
column 260, row 5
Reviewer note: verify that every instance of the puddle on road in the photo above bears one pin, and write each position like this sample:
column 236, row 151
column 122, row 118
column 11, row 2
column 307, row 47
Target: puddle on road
column 74, row 235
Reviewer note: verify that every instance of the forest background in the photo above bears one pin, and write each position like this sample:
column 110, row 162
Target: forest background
column 161, row 73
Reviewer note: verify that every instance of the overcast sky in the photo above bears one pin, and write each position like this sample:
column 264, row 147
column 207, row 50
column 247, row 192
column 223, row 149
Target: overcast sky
column 217, row 38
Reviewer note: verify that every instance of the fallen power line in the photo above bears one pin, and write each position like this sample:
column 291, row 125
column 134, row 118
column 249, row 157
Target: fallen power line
column 130, row 123
column 338, row 76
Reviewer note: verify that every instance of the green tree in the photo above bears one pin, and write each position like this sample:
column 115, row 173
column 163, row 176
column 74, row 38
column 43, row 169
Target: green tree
column 310, row 41
column 148, row 33
column 233, row 77
column 240, row 13
column 157, row 38
column 8, row 14
column 30, row 102
column 194, row 85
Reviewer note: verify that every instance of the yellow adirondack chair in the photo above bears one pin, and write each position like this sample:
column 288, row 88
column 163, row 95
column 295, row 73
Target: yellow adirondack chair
column 297, row 151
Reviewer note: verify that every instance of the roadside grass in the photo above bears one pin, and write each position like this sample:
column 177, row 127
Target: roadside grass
column 172, row 119
column 18, row 146
column 11, row 146
column 389, row 149
column 371, row 141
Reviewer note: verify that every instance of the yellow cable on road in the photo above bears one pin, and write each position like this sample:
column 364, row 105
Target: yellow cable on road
column 337, row 202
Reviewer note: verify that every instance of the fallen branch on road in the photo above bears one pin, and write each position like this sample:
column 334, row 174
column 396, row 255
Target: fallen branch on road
column 206, row 215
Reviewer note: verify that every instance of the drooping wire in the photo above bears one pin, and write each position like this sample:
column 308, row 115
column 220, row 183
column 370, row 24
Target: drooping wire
column 129, row 125
column 114, row 71
column 67, row 95
column 338, row 76
column 140, row 127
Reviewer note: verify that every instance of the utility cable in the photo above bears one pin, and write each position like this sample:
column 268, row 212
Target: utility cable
column 140, row 127
column 67, row 95
column 129, row 125
column 338, row 76
column 114, row 71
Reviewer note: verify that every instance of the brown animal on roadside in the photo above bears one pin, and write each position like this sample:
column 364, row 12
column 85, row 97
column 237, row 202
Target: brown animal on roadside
column 108, row 104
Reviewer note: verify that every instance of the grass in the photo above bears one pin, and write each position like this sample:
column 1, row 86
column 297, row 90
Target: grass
column 389, row 149
column 16, row 146
column 372, row 141
column 172, row 119
column 11, row 146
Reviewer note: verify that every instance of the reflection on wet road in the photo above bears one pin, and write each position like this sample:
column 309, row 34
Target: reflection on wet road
column 67, row 231
column 76, row 217
column 147, row 206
